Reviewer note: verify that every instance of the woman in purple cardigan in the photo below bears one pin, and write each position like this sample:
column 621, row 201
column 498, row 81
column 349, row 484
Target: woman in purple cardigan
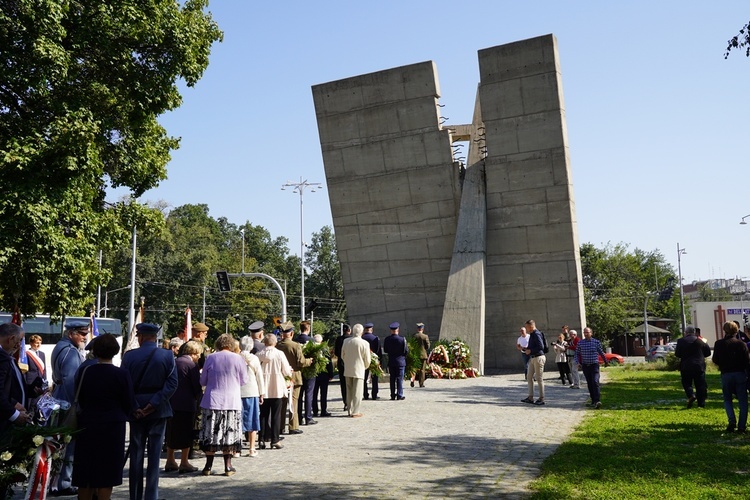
column 221, row 407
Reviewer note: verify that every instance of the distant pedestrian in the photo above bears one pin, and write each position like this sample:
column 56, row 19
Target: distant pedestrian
column 320, row 394
column 693, row 351
column 375, row 348
column 573, row 340
column 535, row 350
column 346, row 331
column 588, row 351
column 732, row 358
column 561, row 359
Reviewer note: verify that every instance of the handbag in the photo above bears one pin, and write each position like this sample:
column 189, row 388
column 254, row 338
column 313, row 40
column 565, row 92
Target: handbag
column 71, row 418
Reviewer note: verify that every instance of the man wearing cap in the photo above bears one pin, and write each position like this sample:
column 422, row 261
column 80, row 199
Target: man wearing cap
column 154, row 381
column 423, row 341
column 356, row 354
column 297, row 361
column 395, row 346
column 346, row 331
column 374, row 342
column 199, row 332
column 305, row 407
column 67, row 356
column 252, row 342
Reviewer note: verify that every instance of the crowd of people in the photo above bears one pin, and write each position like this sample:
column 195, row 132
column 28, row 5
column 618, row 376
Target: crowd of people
column 186, row 399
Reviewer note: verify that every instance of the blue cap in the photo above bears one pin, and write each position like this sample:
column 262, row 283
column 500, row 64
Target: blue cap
column 420, row 325
column 76, row 324
column 369, row 325
column 147, row 328
column 256, row 327
column 394, row 325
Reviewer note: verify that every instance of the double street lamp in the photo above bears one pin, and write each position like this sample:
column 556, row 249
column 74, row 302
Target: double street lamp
column 680, row 252
column 300, row 187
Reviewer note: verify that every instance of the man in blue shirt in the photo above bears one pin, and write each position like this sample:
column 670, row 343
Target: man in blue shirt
column 588, row 351
column 396, row 347
column 535, row 349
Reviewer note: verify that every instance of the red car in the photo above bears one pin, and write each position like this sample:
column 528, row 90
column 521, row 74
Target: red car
column 613, row 359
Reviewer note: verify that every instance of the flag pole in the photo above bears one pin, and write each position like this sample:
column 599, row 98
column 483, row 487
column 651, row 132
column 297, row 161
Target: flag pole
column 131, row 313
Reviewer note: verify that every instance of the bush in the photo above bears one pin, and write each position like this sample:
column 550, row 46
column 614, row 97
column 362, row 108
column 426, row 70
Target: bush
column 672, row 362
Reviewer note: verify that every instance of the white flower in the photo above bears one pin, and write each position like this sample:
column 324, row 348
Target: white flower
column 31, row 452
column 6, row 455
column 38, row 440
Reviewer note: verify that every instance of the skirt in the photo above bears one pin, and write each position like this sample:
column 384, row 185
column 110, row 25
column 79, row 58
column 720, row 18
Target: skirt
column 179, row 433
column 221, row 431
column 250, row 414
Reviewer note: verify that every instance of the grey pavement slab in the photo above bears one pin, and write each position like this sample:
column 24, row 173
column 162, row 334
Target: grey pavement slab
column 468, row 438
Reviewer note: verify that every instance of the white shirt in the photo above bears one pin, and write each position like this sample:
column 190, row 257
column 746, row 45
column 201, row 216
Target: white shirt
column 523, row 341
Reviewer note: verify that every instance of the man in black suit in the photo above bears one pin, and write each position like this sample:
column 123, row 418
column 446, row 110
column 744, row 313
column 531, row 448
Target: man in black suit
column 693, row 351
column 346, row 332
column 374, row 342
column 396, row 347
column 12, row 409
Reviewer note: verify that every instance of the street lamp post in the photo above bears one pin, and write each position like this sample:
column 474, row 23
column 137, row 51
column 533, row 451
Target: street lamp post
column 299, row 187
column 681, row 251
column 242, row 232
column 106, row 300
column 743, row 219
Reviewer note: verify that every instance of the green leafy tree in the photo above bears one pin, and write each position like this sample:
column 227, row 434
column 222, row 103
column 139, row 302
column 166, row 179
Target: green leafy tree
column 325, row 283
column 708, row 294
column 616, row 283
column 81, row 87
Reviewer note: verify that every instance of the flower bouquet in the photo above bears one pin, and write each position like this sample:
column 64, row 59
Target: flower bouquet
column 320, row 354
column 375, row 369
column 32, row 453
column 451, row 359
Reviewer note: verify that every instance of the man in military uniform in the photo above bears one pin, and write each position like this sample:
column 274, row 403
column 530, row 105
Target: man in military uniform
column 297, row 361
column 67, row 356
column 154, row 381
column 423, row 341
column 396, row 347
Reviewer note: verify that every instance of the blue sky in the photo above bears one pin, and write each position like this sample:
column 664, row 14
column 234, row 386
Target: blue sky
column 657, row 118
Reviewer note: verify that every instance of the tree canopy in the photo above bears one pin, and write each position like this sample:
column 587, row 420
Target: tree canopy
column 82, row 84
column 617, row 283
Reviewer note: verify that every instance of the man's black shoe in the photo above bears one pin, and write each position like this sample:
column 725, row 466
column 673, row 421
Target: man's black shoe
column 311, row 422
column 401, row 398
column 325, row 414
column 67, row 492
column 295, row 431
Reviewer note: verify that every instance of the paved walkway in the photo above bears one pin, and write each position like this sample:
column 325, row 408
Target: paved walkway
column 452, row 439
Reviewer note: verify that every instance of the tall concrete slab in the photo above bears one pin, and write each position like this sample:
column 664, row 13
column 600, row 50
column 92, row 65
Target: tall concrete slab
column 533, row 261
column 457, row 248
column 394, row 192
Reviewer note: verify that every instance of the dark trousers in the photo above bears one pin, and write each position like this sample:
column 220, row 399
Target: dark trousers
column 374, row 382
column 397, row 381
column 146, row 438
column 422, row 372
column 564, row 370
column 342, row 382
column 304, row 405
column 694, row 376
column 270, row 420
column 591, row 372
column 320, row 394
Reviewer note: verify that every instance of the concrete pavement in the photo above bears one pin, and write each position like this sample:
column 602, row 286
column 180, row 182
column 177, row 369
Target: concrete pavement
column 452, row 439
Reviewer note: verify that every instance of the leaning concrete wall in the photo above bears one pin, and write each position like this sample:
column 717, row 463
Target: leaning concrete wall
column 393, row 191
column 533, row 262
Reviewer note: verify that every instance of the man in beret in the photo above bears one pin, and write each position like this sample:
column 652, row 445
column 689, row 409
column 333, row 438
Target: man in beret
column 423, row 341
column 396, row 347
column 67, row 357
column 297, row 361
column 374, row 342
column 154, row 381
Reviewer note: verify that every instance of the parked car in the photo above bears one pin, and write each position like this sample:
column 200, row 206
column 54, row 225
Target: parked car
column 612, row 359
column 657, row 353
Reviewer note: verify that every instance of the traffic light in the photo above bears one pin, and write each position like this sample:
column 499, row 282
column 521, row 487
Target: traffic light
column 223, row 278
column 667, row 291
column 311, row 305
column 744, row 318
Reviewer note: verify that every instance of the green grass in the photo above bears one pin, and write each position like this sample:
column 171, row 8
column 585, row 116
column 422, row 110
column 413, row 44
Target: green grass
column 644, row 443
